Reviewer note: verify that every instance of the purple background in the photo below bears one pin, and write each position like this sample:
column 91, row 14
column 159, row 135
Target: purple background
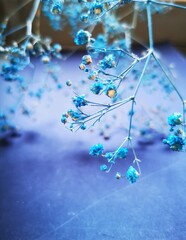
column 51, row 189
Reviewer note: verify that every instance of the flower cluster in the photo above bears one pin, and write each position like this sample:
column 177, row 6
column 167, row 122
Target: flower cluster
column 52, row 9
column 174, row 119
column 176, row 140
column 121, row 153
column 82, row 37
column 97, row 8
column 5, row 124
column 77, row 118
column 96, row 150
column 132, row 174
column 108, row 62
column 96, row 88
column 79, row 101
column 18, row 60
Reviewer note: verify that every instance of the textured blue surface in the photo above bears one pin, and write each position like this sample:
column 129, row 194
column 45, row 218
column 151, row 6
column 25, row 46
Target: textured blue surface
column 51, row 189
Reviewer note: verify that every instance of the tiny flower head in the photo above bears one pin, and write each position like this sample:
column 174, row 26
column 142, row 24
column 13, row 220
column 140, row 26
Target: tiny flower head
column 132, row 174
column 96, row 87
column 108, row 62
column 111, row 91
column 82, row 37
column 174, row 119
column 96, row 150
column 79, row 101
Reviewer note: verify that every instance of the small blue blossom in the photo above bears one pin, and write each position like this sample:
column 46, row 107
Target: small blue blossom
column 64, row 118
column 110, row 157
column 96, row 150
column 18, row 60
column 57, row 7
column 121, row 153
column 97, row 8
column 83, row 127
column 108, row 62
column 82, row 37
column 52, row 9
column 174, row 119
column 103, row 167
column 84, row 18
column 132, row 175
column 176, row 142
column 76, row 116
column 96, row 87
column 79, row 101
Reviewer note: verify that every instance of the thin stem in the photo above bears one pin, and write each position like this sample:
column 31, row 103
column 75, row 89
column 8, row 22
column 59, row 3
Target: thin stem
column 32, row 16
column 15, row 30
column 149, row 23
column 131, row 117
column 126, row 71
column 142, row 74
column 135, row 93
column 134, row 20
column 166, row 72
column 169, row 4
column 136, row 160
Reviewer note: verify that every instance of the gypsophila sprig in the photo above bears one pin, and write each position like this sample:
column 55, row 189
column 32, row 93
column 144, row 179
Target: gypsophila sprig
column 101, row 65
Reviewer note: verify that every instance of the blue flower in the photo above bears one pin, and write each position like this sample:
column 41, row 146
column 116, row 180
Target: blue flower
column 176, row 142
column 174, row 119
column 96, row 87
column 83, row 127
column 84, row 18
column 132, row 175
column 103, row 167
column 52, row 9
column 96, row 150
column 76, row 116
column 57, row 7
column 110, row 157
column 79, row 101
column 82, row 37
column 97, row 8
column 18, row 60
column 108, row 62
column 64, row 118
column 121, row 153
